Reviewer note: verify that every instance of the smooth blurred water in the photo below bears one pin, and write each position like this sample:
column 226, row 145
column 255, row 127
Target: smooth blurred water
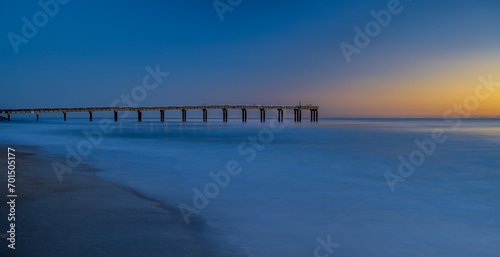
column 311, row 180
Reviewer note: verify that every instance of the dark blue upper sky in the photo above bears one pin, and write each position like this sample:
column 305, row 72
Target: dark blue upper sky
column 264, row 52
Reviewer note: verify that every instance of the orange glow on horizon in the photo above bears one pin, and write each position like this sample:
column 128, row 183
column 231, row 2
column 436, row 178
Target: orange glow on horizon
column 422, row 92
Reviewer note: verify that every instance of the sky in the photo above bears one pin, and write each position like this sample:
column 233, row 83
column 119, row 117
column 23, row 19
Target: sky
column 423, row 61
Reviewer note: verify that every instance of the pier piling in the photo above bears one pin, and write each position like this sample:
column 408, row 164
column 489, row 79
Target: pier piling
column 116, row 116
column 90, row 113
column 184, row 118
column 243, row 115
column 224, row 115
column 162, row 115
column 297, row 115
column 314, row 115
column 139, row 116
column 64, row 116
column 280, row 115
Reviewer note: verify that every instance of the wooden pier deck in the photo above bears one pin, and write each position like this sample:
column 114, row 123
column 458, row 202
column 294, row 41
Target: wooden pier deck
column 297, row 111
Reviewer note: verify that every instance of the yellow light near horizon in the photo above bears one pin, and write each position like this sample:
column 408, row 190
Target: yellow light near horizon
column 414, row 97
column 425, row 88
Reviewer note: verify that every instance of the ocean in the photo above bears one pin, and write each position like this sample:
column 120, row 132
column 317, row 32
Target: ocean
column 338, row 187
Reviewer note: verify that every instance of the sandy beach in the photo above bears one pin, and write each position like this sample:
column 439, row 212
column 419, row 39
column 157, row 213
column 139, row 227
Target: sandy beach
column 86, row 216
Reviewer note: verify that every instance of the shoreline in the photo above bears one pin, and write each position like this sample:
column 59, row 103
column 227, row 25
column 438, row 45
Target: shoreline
column 85, row 215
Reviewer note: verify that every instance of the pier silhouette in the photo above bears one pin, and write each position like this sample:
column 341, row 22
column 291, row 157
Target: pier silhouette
column 204, row 108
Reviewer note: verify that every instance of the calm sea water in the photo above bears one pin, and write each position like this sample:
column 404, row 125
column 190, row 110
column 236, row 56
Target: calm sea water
column 303, row 182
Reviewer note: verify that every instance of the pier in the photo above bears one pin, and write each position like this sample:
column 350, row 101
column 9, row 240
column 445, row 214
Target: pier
column 297, row 110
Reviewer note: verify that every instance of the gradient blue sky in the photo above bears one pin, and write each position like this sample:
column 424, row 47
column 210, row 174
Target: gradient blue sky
column 264, row 52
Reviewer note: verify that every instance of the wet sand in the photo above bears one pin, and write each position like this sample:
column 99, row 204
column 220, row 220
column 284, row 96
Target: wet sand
column 86, row 216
